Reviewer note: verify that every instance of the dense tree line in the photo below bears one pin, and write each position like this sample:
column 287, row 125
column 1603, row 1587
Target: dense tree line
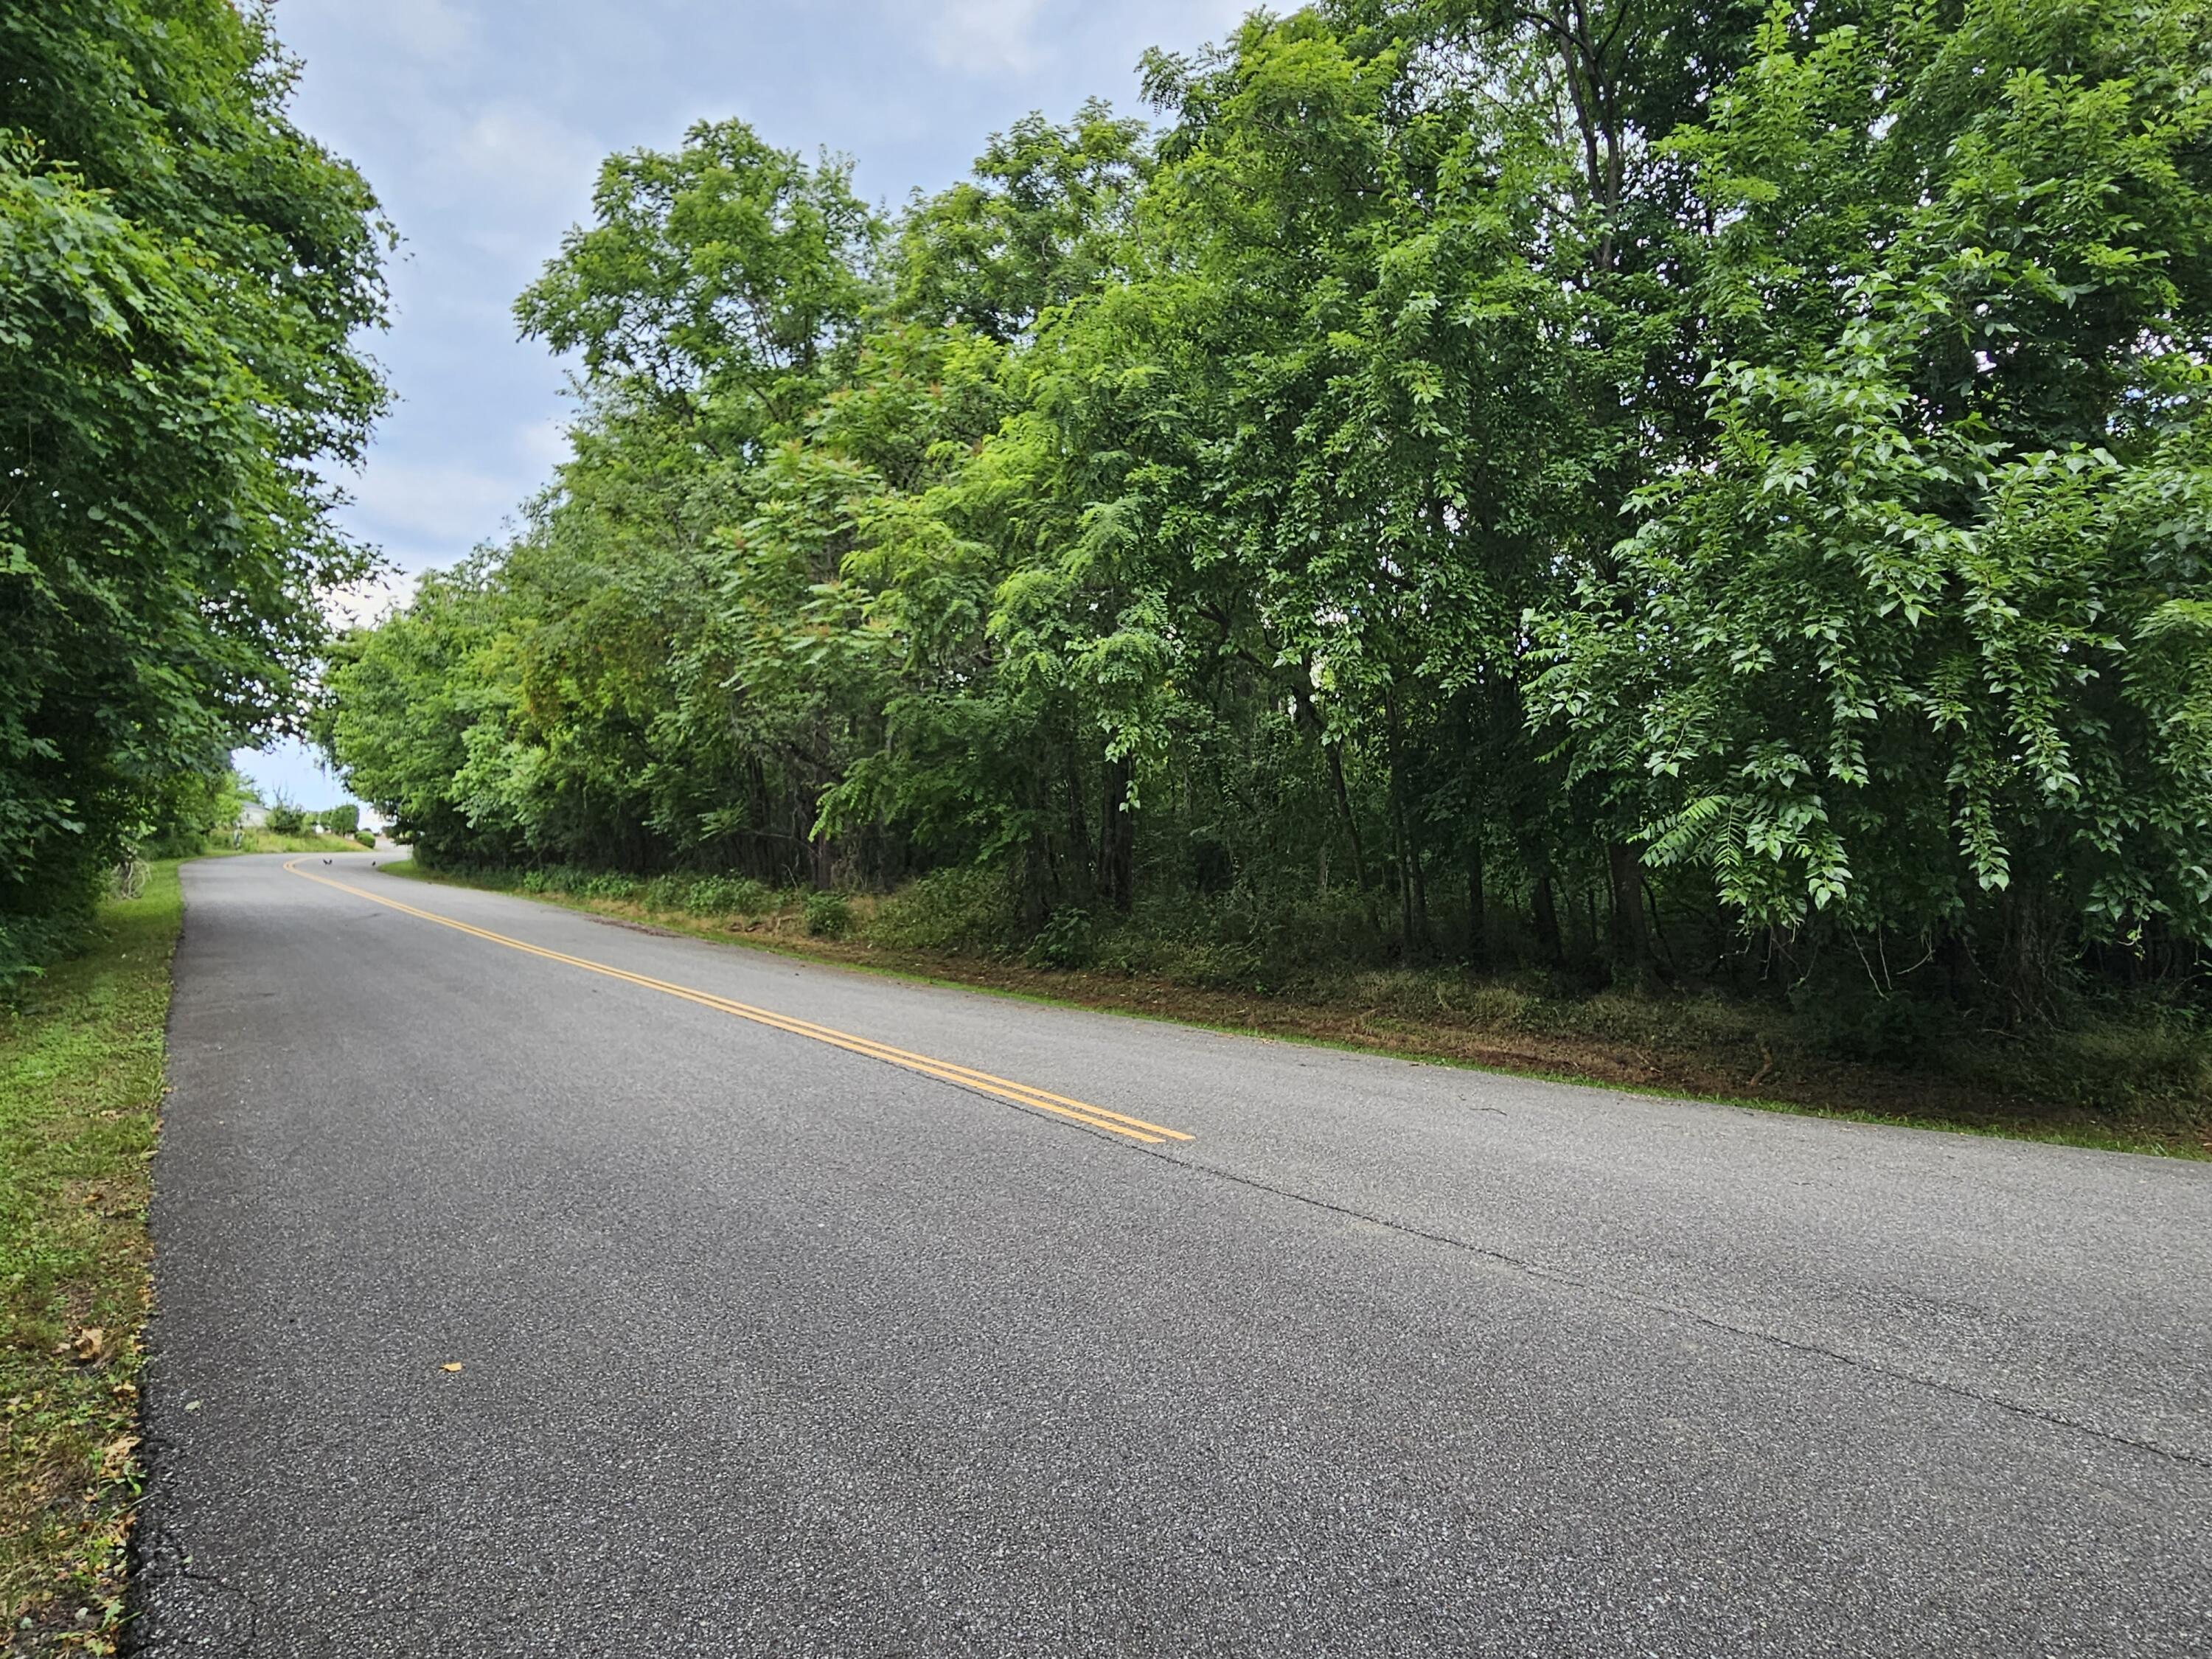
column 182, row 274
column 1688, row 490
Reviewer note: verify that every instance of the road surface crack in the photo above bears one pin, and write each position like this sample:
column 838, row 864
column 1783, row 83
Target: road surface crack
column 1553, row 1276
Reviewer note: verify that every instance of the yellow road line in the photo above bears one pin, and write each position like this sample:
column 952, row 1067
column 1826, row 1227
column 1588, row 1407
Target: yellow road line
column 1018, row 1094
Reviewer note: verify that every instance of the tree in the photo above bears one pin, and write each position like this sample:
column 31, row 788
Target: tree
column 714, row 281
column 1918, row 649
column 182, row 276
column 1619, row 486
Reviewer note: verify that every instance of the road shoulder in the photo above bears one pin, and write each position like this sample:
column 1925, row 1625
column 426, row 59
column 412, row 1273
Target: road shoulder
column 82, row 1062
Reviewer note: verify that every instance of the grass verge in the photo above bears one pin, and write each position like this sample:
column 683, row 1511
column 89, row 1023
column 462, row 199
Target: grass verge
column 2113, row 1084
column 81, row 1068
column 269, row 840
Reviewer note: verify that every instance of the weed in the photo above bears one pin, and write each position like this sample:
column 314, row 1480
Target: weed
column 829, row 916
column 1064, row 941
column 968, row 910
column 739, row 895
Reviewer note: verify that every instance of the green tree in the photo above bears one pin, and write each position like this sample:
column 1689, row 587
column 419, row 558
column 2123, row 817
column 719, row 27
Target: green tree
column 1917, row 651
column 182, row 275
column 1480, row 479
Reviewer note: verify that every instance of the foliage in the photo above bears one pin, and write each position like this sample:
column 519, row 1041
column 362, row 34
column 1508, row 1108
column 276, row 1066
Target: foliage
column 1917, row 642
column 185, row 808
column 339, row 820
column 829, row 916
column 1634, row 491
column 1065, row 940
column 182, row 275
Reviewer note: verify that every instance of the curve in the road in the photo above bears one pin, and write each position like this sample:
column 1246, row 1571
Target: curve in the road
column 997, row 1088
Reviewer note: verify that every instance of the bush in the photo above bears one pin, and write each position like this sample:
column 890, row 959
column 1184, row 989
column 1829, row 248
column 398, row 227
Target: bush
column 342, row 820
column 366, row 837
column 1065, row 940
column 1847, row 1015
column 286, row 819
column 185, row 808
column 1228, row 965
column 970, row 910
column 828, row 915
column 728, row 894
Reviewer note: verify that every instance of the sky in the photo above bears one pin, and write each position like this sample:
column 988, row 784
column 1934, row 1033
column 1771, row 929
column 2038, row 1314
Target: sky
column 481, row 125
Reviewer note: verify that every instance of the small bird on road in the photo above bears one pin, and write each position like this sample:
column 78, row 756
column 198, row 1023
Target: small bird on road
column 326, row 860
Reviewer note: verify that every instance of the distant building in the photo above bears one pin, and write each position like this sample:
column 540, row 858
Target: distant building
column 253, row 816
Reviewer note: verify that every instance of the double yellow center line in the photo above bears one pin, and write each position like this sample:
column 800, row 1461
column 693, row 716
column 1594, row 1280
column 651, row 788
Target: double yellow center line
column 966, row 1077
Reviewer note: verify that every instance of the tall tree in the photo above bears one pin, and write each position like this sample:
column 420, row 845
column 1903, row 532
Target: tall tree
column 183, row 275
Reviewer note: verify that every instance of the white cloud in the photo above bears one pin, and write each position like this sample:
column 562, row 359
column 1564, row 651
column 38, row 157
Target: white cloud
column 363, row 603
column 453, row 507
column 431, row 32
column 511, row 154
column 543, row 445
column 984, row 37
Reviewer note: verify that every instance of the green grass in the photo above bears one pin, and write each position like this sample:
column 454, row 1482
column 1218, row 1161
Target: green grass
column 268, row 841
column 2115, row 1083
column 82, row 1056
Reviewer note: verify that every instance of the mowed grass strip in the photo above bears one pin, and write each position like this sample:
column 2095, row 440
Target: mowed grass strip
column 81, row 1084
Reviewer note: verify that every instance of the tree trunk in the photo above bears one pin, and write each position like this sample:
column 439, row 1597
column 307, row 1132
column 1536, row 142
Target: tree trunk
column 1412, row 894
column 1350, row 829
column 1117, row 839
column 1547, row 922
column 1631, row 938
column 1078, row 821
column 1478, row 929
column 1421, row 901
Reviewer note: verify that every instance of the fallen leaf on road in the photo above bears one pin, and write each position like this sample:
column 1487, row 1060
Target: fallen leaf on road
column 91, row 1343
column 455, row 1367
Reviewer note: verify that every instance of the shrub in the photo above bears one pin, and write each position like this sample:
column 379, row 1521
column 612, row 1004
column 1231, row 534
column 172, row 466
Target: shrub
column 731, row 895
column 1227, row 965
column 968, row 910
column 1065, row 940
column 342, row 820
column 1847, row 1015
column 828, row 915
column 366, row 837
column 286, row 819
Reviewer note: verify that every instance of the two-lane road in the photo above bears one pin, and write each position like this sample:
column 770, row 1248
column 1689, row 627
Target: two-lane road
column 806, row 1312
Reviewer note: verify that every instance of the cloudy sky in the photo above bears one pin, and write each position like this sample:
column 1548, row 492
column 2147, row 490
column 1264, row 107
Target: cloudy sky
column 480, row 123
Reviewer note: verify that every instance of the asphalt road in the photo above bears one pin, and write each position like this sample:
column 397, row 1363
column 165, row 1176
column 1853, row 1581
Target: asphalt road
column 773, row 1346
